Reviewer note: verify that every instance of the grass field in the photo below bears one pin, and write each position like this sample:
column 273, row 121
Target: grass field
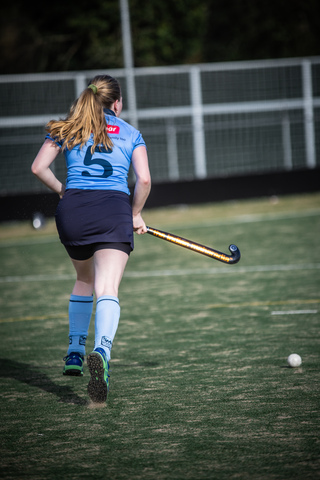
column 200, row 388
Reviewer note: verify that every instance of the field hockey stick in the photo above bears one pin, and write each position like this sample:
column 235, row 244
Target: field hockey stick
column 197, row 247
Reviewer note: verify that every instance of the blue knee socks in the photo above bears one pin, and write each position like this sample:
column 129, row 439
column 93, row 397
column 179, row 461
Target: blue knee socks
column 80, row 311
column 106, row 322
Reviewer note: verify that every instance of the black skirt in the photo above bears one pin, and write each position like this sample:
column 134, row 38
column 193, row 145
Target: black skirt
column 84, row 217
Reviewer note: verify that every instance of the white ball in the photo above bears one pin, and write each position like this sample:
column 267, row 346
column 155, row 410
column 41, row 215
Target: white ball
column 294, row 360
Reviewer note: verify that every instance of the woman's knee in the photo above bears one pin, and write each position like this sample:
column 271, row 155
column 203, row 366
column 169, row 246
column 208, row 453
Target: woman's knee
column 86, row 278
column 102, row 289
column 84, row 270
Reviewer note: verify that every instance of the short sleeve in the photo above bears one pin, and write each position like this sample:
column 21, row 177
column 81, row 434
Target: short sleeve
column 55, row 140
column 138, row 140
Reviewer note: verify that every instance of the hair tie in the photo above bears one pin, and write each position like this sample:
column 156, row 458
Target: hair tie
column 93, row 88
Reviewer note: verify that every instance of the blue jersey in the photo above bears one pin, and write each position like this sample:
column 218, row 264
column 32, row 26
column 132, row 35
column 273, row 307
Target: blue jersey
column 103, row 169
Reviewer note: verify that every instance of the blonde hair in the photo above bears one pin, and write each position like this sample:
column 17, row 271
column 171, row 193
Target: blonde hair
column 86, row 115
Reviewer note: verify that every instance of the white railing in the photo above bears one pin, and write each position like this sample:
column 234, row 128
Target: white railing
column 189, row 135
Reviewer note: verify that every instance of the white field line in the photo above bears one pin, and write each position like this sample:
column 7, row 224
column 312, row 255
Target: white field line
column 263, row 217
column 214, row 223
column 171, row 273
column 223, row 270
column 216, row 305
column 293, row 312
column 30, row 241
column 266, row 217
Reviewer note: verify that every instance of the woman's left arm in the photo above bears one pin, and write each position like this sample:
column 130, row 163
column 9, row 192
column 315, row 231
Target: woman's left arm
column 142, row 187
column 41, row 167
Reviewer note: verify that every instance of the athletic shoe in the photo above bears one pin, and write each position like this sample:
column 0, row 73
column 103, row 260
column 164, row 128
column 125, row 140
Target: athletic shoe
column 99, row 370
column 74, row 364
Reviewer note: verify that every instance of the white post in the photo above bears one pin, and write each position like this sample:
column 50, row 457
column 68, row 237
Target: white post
column 199, row 149
column 286, row 141
column 308, row 113
column 128, row 62
column 172, row 149
column 80, row 84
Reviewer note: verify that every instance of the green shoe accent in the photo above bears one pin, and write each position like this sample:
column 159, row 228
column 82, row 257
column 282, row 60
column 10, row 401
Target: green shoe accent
column 99, row 370
column 74, row 364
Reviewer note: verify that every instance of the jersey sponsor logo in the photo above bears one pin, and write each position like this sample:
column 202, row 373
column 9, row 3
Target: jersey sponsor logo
column 113, row 129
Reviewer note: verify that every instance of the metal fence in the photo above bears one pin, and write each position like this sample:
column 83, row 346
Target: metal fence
column 199, row 121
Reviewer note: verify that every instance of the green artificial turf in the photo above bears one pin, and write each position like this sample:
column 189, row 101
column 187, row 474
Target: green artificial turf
column 199, row 387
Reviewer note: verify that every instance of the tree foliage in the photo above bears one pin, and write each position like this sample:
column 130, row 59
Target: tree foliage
column 81, row 35
column 258, row 30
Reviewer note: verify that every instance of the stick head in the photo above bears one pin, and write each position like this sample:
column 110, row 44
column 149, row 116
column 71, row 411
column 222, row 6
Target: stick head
column 235, row 253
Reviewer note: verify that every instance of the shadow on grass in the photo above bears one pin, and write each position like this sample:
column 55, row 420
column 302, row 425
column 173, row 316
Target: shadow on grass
column 25, row 374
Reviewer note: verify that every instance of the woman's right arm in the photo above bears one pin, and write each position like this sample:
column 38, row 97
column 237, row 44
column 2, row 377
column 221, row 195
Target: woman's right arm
column 41, row 167
column 142, row 187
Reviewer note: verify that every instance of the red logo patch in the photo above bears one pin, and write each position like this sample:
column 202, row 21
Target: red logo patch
column 113, row 129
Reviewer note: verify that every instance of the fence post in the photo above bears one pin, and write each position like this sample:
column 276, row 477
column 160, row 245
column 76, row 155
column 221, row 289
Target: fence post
column 199, row 148
column 128, row 62
column 80, row 84
column 172, row 149
column 286, row 141
column 308, row 113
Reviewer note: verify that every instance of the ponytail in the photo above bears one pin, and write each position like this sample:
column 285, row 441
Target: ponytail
column 86, row 116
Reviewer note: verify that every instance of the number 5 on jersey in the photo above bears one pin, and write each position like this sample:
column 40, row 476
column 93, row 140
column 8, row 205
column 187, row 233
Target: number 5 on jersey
column 88, row 161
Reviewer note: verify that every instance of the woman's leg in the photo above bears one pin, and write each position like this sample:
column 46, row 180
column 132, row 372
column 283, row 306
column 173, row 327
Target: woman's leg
column 109, row 267
column 85, row 277
column 80, row 311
